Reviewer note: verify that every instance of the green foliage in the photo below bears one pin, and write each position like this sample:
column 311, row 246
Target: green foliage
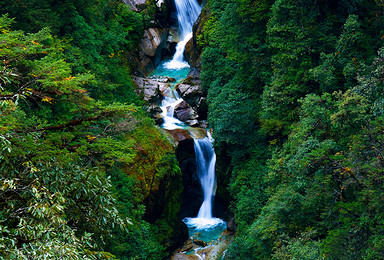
column 100, row 34
column 303, row 77
column 64, row 156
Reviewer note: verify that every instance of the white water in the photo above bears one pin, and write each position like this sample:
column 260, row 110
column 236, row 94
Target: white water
column 187, row 13
column 170, row 101
column 205, row 162
column 204, row 223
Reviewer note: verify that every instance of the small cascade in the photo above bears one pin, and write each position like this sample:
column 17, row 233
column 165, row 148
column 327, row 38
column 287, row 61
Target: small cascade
column 187, row 13
column 170, row 101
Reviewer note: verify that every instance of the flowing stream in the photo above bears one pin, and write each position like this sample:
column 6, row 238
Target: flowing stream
column 203, row 226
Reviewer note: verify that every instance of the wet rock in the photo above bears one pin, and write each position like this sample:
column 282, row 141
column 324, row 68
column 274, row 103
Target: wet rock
column 187, row 246
column 174, row 35
column 162, row 79
column 153, row 41
column 192, row 123
column 149, row 90
column 203, row 124
column 185, row 113
column 199, row 242
column 190, row 90
column 171, row 79
column 191, row 53
column 197, row 133
column 179, row 134
column 181, row 256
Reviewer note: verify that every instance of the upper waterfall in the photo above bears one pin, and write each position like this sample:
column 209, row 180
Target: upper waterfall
column 187, row 13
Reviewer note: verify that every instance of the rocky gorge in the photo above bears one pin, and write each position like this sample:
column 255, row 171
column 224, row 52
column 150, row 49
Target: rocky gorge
column 153, row 86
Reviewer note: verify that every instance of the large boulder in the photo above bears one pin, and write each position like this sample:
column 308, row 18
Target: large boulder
column 184, row 112
column 190, row 90
column 149, row 90
column 192, row 55
column 152, row 43
column 179, row 135
column 152, row 93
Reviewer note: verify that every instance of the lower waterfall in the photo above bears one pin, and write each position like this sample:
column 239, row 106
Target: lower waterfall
column 205, row 224
column 205, row 161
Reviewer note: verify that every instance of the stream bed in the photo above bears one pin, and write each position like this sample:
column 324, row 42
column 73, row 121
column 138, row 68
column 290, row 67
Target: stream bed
column 207, row 234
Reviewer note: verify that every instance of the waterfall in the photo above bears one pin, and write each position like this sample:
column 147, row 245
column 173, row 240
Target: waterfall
column 205, row 162
column 207, row 226
column 187, row 13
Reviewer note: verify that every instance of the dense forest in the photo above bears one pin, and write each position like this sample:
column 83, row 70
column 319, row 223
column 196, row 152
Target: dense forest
column 78, row 155
column 295, row 93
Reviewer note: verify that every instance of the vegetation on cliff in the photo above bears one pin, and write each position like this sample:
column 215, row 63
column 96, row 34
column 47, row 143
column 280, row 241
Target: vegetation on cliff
column 79, row 161
column 295, row 93
column 295, row 98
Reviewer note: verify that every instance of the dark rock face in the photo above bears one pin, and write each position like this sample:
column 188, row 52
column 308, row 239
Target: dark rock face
column 192, row 192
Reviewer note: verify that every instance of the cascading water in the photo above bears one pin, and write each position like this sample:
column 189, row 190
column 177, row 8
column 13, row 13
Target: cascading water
column 205, row 225
column 205, row 162
column 187, row 13
column 170, row 101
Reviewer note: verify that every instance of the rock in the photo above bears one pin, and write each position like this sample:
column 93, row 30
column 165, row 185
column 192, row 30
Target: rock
column 190, row 90
column 203, row 124
column 192, row 123
column 173, row 35
column 179, row 134
column 190, row 93
column 153, row 41
column 231, row 225
column 191, row 54
column 180, row 256
column 159, row 120
column 187, row 246
column 162, row 79
column 150, row 90
column 147, row 89
column 135, row 4
column 184, row 112
column 200, row 242
column 154, row 109
column 197, row 133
